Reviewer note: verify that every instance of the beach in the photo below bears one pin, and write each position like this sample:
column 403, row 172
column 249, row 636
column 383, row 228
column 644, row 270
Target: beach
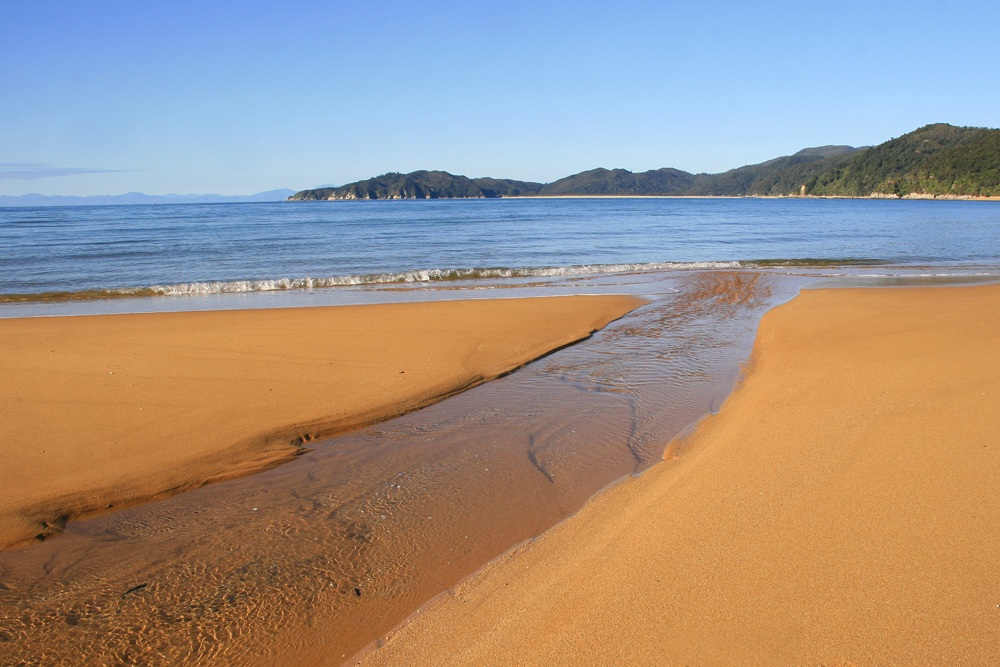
column 102, row 412
column 874, row 195
column 613, row 337
column 839, row 509
column 835, row 509
column 338, row 546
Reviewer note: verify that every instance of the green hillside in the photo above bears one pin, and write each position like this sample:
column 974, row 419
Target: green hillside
column 937, row 159
column 621, row 182
column 934, row 160
column 780, row 176
column 421, row 185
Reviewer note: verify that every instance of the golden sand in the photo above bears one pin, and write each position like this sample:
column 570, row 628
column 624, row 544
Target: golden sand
column 98, row 412
column 842, row 508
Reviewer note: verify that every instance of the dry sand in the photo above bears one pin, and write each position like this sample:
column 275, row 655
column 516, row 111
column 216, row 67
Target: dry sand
column 842, row 508
column 103, row 411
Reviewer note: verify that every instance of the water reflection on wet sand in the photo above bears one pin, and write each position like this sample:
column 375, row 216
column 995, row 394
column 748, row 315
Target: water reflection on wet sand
column 319, row 557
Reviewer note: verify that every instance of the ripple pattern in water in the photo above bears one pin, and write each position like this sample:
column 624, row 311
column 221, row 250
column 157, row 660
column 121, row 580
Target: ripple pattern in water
column 94, row 251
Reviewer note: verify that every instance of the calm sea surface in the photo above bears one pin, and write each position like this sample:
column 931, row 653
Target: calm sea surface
column 198, row 249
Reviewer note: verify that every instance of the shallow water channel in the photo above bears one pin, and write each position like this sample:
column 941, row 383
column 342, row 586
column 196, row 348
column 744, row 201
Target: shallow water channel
column 325, row 554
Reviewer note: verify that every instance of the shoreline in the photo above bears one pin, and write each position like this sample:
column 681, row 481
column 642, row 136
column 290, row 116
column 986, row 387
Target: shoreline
column 471, row 278
column 231, row 393
column 753, row 544
column 878, row 196
column 915, row 196
column 401, row 510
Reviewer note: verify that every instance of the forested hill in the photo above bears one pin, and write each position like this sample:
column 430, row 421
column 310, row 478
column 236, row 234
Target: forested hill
column 780, row 176
column 935, row 160
column 422, row 185
column 622, row 182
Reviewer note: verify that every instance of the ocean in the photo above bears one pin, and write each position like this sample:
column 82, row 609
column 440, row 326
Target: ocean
column 95, row 252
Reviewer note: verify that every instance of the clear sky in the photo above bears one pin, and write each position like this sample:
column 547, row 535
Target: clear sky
column 193, row 97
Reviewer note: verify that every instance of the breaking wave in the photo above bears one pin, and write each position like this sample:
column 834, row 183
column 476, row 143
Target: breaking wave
column 428, row 276
column 431, row 276
column 402, row 277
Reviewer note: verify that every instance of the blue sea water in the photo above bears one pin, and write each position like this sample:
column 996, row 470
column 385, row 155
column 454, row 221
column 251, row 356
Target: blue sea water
column 228, row 248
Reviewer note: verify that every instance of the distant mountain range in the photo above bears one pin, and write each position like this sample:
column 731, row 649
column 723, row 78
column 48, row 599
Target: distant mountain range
column 938, row 160
column 139, row 198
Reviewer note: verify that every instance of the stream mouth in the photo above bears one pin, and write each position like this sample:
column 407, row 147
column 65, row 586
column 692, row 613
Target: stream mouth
column 344, row 542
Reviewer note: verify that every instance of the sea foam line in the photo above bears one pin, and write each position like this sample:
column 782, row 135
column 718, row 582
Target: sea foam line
column 417, row 276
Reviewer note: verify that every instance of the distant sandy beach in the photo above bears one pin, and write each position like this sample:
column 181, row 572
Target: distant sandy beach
column 841, row 508
column 914, row 195
column 105, row 411
column 642, row 197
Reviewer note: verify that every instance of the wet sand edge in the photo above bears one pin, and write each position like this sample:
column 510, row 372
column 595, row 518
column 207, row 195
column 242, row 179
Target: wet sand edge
column 568, row 320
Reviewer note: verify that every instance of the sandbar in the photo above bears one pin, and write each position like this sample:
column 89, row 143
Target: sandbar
column 841, row 508
column 99, row 412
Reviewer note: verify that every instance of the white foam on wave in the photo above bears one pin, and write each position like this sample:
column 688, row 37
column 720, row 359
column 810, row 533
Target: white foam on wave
column 422, row 276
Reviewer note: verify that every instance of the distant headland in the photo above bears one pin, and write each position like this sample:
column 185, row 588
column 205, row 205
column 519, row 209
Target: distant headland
column 937, row 161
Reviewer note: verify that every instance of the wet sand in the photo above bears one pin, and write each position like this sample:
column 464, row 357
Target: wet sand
column 840, row 509
column 101, row 412
column 314, row 559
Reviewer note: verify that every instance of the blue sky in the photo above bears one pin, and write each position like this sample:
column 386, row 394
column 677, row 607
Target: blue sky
column 108, row 97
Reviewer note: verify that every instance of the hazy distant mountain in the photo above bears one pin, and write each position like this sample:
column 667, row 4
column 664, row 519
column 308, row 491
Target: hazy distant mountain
column 139, row 198
column 934, row 160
